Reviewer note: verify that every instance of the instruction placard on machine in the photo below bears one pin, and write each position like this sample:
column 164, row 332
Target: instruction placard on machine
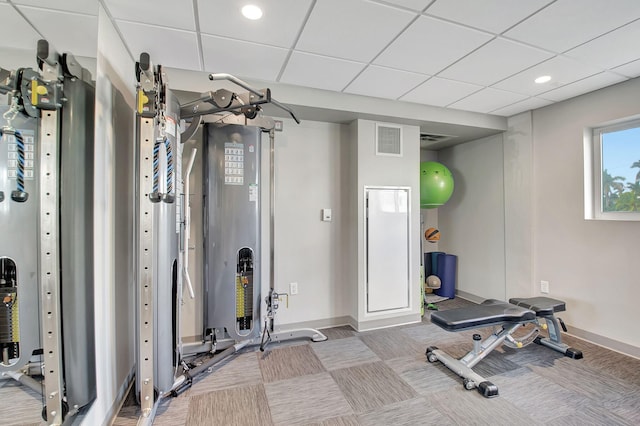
column 29, row 155
column 233, row 163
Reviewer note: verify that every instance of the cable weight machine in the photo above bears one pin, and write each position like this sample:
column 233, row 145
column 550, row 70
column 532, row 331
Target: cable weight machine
column 46, row 219
column 232, row 127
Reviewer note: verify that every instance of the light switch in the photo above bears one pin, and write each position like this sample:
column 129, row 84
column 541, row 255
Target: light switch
column 326, row 215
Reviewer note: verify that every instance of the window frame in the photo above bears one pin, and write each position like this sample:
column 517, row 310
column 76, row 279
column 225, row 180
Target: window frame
column 594, row 169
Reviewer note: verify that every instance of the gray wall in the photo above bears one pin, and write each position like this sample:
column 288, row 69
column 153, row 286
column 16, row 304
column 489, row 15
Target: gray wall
column 472, row 221
column 592, row 264
column 428, row 217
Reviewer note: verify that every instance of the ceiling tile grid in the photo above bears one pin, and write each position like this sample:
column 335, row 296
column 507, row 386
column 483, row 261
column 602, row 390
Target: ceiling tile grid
column 354, row 30
column 562, row 70
column 320, row 72
column 566, row 24
column 631, row 70
column 585, row 85
column 177, row 14
column 490, row 15
column 77, row 6
column 78, row 34
column 466, row 54
column 610, row 50
column 487, row 100
column 415, row 5
column 430, row 45
column 495, row 61
column 440, row 92
column 169, row 47
column 522, row 106
column 279, row 26
column 384, row 82
column 15, row 32
column 242, row 59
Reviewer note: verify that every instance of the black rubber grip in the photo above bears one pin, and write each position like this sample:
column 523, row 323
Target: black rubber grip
column 145, row 61
column 42, row 49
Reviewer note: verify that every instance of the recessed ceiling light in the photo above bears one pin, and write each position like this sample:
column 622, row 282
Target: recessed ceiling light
column 252, row 12
column 543, row 79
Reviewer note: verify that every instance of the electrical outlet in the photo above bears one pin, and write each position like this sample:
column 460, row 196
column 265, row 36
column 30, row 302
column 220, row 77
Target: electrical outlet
column 544, row 287
column 293, row 288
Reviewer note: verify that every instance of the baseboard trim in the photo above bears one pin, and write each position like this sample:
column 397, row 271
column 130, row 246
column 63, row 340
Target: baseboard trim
column 470, row 297
column 124, row 390
column 389, row 322
column 351, row 322
column 317, row 324
column 614, row 345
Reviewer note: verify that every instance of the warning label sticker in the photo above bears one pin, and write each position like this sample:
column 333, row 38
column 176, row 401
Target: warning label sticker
column 233, row 163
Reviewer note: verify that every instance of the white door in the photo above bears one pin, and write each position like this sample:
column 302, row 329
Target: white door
column 387, row 248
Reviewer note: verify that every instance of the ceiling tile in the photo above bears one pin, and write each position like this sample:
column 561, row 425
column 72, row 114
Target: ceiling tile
column 495, row 61
column 440, row 92
column 241, row 58
column 490, row 15
column 55, row 25
column 562, row 71
column 13, row 24
column 417, row 5
column 526, row 105
column 612, row 49
column 581, row 87
column 17, row 58
column 166, row 13
column 567, row 23
column 79, row 6
column 384, row 82
column 429, row 45
column 355, row 30
column 487, row 100
column 632, row 69
column 321, row 72
column 279, row 26
column 168, row 47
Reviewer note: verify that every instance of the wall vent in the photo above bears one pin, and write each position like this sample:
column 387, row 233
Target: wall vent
column 388, row 140
column 428, row 139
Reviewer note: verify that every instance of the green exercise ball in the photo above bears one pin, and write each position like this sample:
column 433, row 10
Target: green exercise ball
column 436, row 184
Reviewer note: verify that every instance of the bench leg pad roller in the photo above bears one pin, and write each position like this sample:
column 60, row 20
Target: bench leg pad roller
column 488, row 389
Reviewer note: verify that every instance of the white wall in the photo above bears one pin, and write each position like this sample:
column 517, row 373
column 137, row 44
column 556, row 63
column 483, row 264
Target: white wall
column 590, row 264
column 309, row 177
column 471, row 223
column 113, row 224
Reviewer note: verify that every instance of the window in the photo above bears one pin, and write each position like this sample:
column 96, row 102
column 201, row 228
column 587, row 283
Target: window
column 614, row 164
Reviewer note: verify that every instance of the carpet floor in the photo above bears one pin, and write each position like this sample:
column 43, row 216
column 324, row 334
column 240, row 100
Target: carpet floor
column 382, row 378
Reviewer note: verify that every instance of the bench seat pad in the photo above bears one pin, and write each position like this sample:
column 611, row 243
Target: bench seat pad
column 540, row 305
column 489, row 313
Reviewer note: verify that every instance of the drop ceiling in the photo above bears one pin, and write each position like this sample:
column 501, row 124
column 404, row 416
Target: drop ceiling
column 472, row 55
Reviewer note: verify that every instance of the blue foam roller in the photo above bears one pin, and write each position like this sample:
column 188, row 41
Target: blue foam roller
column 433, row 262
column 447, row 266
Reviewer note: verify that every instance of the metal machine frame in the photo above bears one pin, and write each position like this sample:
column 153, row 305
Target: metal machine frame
column 48, row 96
column 240, row 109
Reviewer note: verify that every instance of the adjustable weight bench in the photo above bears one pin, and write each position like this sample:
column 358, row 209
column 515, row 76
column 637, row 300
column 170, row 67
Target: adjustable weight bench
column 509, row 317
